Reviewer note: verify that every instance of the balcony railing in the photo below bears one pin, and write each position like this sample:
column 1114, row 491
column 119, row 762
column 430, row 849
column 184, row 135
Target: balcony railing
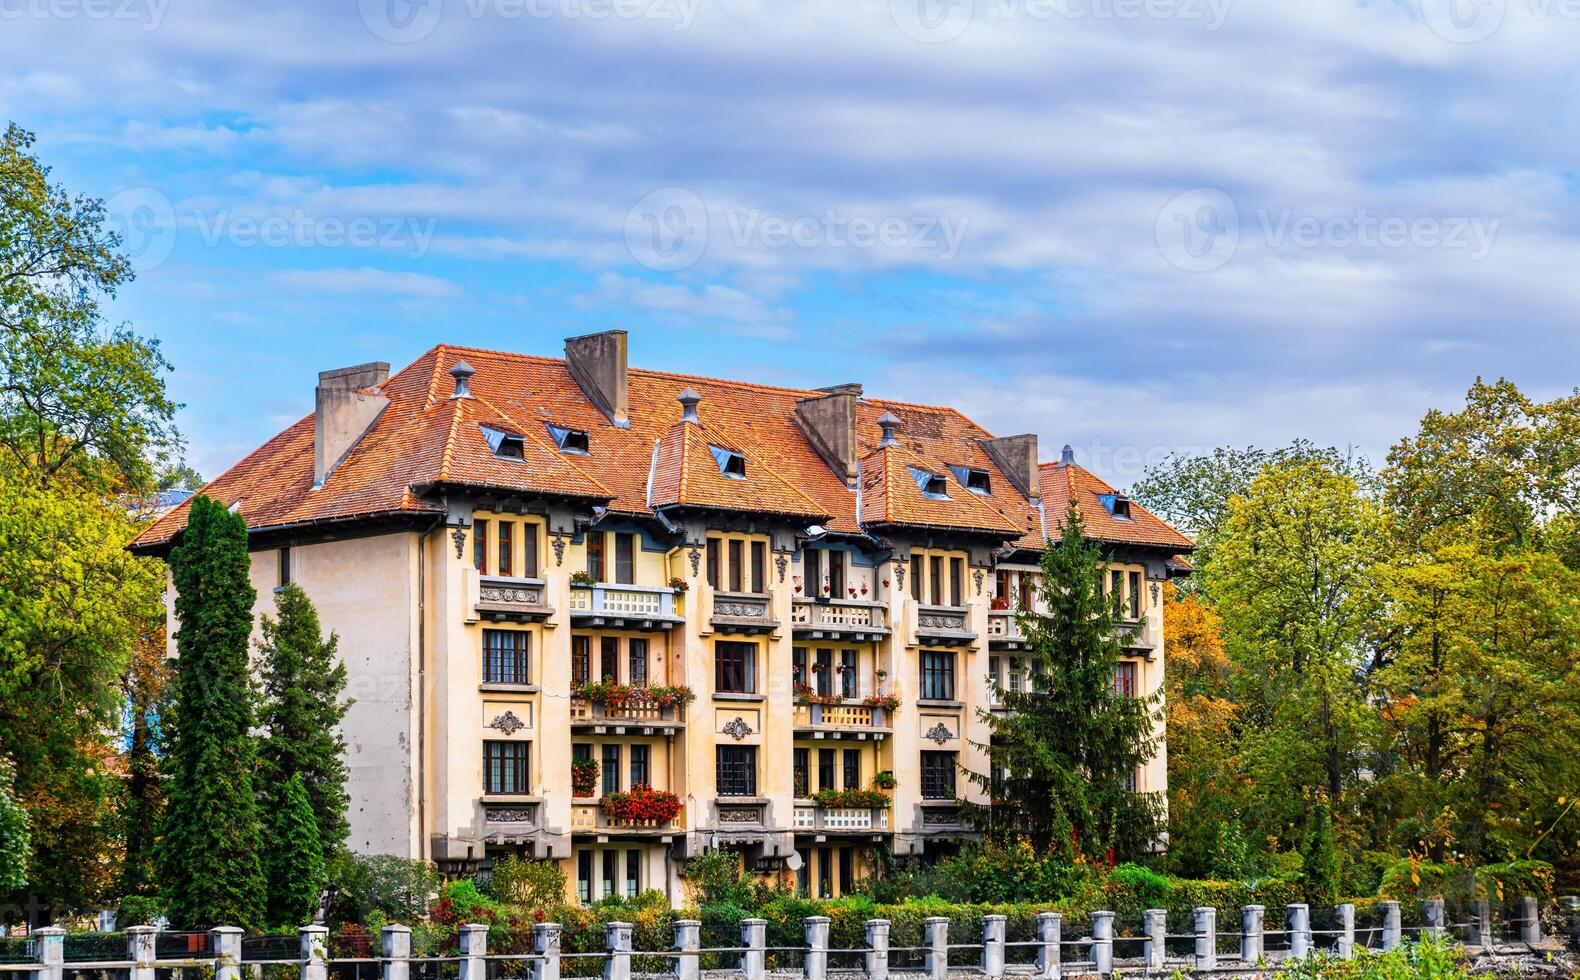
column 811, row 817
column 938, row 625
column 515, row 599
column 743, row 612
column 856, row 719
column 586, row 714
column 852, row 619
column 589, row 817
column 1004, row 631
column 740, row 815
column 624, row 606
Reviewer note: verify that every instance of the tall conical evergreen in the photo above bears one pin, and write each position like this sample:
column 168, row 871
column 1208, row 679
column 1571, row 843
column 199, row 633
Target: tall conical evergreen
column 301, row 713
column 1067, row 746
column 208, row 858
column 294, row 858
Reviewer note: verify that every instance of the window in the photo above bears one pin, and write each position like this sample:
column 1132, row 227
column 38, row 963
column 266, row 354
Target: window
column 847, row 674
column 735, row 666
column 1122, row 508
column 801, row 873
column 1135, row 595
column 479, row 544
column 801, row 773
column 506, row 445
column 611, row 864
column 609, row 659
column 812, row 572
column 636, row 659
column 737, row 770
column 935, row 580
column 916, row 577
column 595, row 555
column 852, row 769
column 938, row 676
column 736, row 546
column 731, row 463
column 713, row 562
column 759, row 567
column 1015, row 674
column 836, row 574
column 1116, row 590
column 825, row 872
column 584, row 872
column 825, row 769
column 847, row 876
column 825, row 672
column 570, row 440
column 505, row 656
column 624, row 558
column 503, row 554
column 285, row 566
column 938, row 775
column 611, row 769
column 1003, row 587
column 1125, row 678
column 1028, row 589
column 972, row 479
column 581, row 659
column 1130, row 781
column 633, row 873
column 932, row 486
column 529, row 550
column 957, row 579
column 505, row 767
column 640, row 757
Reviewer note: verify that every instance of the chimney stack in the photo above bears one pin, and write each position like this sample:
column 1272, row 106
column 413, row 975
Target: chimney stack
column 462, row 373
column 688, row 405
column 343, row 410
column 598, row 363
column 888, row 422
column 1017, row 457
column 829, row 422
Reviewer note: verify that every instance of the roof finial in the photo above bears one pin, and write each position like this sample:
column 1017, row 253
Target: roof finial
column 688, row 404
column 462, row 373
column 1068, row 456
column 888, row 422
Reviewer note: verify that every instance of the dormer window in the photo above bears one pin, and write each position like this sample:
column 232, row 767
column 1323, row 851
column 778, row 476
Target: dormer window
column 506, row 445
column 1116, row 504
column 731, row 463
column 932, row 486
column 975, row 480
column 570, row 440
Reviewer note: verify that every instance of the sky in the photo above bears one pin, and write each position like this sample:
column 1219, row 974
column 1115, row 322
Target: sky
column 1139, row 227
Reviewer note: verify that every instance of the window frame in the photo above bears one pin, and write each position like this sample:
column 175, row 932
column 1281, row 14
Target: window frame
column 509, row 662
column 624, row 558
column 507, row 767
column 936, row 669
column 938, row 775
column 735, row 770
column 727, row 668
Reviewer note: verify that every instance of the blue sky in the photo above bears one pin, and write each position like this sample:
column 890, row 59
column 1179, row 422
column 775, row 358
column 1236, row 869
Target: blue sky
column 1136, row 226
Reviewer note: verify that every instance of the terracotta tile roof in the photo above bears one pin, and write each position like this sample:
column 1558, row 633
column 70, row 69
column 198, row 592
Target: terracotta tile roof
column 1062, row 482
column 424, row 437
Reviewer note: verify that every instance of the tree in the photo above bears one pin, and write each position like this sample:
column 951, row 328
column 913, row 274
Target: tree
column 142, row 796
column 15, row 842
column 209, row 854
column 1319, row 868
column 302, row 683
column 1069, row 745
column 295, row 858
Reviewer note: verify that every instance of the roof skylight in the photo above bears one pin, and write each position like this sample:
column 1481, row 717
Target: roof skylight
column 570, row 440
column 506, row 445
column 975, row 480
column 731, row 463
column 932, row 486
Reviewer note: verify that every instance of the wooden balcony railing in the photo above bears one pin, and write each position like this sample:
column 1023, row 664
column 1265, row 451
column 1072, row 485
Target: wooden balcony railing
column 1004, row 631
column 639, row 606
column 854, row 619
column 859, row 718
column 585, row 713
column 811, row 817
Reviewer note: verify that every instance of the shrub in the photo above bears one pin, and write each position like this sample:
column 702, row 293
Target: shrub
column 138, row 910
column 526, row 884
column 584, row 777
column 1133, row 886
column 716, row 878
column 394, row 887
column 641, row 805
column 851, row 799
column 1319, row 858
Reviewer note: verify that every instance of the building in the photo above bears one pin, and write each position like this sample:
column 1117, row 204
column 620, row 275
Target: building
column 757, row 593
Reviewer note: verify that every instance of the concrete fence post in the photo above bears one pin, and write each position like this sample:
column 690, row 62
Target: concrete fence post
column 1251, row 933
column 877, row 956
column 140, row 950
column 688, row 940
column 49, row 952
column 1434, row 919
column 1392, row 925
column 1345, row 946
column 935, row 938
column 1206, row 929
column 1571, row 906
column 815, row 966
column 617, row 940
column 1050, row 936
column 1298, row 922
column 1482, row 932
column 315, row 952
column 1156, row 924
column 754, row 958
column 546, row 944
column 1103, row 943
column 474, row 946
column 394, row 952
column 1530, row 920
column 993, row 946
column 226, row 943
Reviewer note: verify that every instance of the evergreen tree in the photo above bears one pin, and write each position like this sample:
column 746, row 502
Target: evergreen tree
column 1320, row 860
column 294, row 858
column 142, row 795
column 209, row 855
column 1067, row 747
column 302, row 683
column 15, row 842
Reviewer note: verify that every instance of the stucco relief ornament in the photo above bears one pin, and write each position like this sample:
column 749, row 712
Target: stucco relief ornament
column 979, row 574
column 1154, row 593
column 459, row 536
column 938, row 733
column 696, row 560
column 508, row 723
column 899, row 576
column 737, row 729
column 783, row 562
column 559, row 550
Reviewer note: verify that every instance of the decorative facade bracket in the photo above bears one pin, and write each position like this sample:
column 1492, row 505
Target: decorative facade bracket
column 508, row 723
column 938, row 733
column 737, row 729
column 459, row 537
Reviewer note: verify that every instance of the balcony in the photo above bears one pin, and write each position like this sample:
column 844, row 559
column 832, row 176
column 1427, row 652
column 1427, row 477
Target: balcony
column 627, row 607
column 517, row 600
column 603, row 719
column 855, row 721
column 588, row 818
column 943, row 626
column 743, row 612
column 853, row 620
column 814, row 819
column 941, row 816
column 511, row 822
column 1004, row 631
column 1145, row 636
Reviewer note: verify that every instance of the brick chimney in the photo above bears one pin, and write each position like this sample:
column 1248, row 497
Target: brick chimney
column 1017, row 457
column 829, row 421
column 597, row 362
column 343, row 410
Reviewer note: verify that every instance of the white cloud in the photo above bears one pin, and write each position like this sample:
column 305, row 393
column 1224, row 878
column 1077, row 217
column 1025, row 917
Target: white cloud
column 365, row 280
